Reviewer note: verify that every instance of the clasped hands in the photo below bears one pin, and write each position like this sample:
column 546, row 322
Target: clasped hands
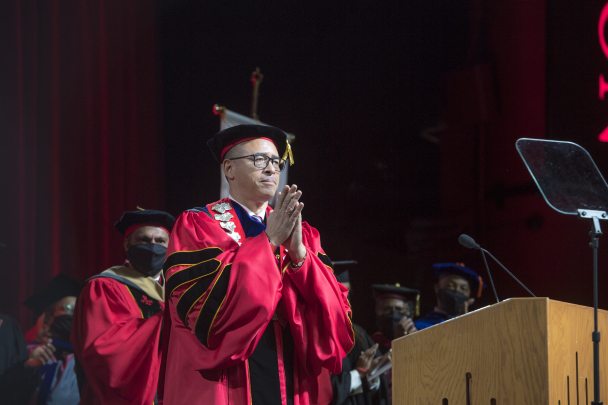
column 284, row 224
column 367, row 362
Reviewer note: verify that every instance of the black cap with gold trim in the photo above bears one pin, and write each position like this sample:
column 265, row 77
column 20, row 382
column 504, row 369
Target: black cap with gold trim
column 383, row 291
column 230, row 137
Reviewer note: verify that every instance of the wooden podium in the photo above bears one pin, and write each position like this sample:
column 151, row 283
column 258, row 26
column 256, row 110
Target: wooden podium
column 522, row 351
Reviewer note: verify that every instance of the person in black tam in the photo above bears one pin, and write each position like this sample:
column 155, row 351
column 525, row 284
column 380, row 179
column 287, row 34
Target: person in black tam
column 352, row 386
column 47, row 376
column 146, row 238
column 395, row 308
column 456, row 289
column 118, row 316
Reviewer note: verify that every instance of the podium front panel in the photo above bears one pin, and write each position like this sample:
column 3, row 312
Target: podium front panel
column 571, row 353
column 522, row 351
column 498, row 353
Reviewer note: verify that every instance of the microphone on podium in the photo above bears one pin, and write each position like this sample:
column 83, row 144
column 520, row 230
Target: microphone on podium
column 467, row 241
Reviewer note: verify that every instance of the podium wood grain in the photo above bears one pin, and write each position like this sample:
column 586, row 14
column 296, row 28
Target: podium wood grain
column 521, row 351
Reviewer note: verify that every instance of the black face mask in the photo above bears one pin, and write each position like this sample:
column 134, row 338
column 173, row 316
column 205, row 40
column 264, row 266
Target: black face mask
column 451, row 301
column 148, row 258
column 387, row 323
column 61, row 327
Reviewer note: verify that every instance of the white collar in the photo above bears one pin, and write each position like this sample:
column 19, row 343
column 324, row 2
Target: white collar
column 251, row 213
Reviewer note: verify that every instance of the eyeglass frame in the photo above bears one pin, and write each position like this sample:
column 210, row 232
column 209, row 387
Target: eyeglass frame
column 50, row 313
column 279, row 161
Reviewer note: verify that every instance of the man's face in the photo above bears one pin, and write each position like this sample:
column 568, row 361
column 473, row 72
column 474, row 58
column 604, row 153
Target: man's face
column 389, row 305
column 248, row 182
column 65, row 306
column 454, row 282
column 147, row 234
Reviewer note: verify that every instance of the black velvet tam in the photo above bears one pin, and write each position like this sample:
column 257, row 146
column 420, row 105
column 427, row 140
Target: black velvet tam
column 231, row 136
column 61, row 286
column 408, row 293
column 152, row 217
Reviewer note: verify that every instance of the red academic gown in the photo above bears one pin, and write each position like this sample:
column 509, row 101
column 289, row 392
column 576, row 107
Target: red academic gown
column 115, row 335
column 222, row 298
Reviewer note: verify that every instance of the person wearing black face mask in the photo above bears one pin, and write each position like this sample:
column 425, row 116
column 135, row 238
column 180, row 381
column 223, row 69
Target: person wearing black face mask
column 47, row 376
column 395, row 308
column 118, row 317
column 457, row 288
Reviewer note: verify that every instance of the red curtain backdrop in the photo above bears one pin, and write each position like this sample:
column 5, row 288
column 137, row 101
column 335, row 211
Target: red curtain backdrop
column 80, row 133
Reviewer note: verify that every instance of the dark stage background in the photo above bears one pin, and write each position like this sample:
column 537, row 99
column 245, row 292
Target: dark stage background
column 81, row 133
column 405, row 113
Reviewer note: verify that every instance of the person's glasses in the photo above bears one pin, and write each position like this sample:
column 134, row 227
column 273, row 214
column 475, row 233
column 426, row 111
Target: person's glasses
column 261, row 161
column 50, row 314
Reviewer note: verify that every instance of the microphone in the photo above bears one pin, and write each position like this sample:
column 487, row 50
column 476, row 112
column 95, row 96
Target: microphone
column 467, row 241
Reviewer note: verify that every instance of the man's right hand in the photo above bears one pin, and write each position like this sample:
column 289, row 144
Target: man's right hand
column 40, row 355
column 365, row 360
column 379, row 361
column 465, row 307
column 405, row 327
column 283, row 218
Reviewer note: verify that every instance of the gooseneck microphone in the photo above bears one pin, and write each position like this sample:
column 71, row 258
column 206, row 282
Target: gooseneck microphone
column 467, row 241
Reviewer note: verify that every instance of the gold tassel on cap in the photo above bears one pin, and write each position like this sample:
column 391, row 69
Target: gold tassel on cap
column 140, row 208
column 418, row 305
column 288, row 153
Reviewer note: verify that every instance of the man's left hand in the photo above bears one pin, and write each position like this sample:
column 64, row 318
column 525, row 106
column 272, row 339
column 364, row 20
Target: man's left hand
column 405, row 327
column 293, row 244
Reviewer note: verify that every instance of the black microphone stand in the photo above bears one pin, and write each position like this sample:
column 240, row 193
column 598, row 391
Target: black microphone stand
column 595, row 234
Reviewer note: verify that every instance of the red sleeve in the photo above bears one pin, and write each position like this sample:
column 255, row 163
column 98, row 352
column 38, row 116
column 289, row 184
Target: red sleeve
column 118, row 349
column 318, row 310
column 221, row 295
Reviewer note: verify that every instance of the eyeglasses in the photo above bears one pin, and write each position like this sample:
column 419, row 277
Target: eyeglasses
column 50, row 314
column 261, row 161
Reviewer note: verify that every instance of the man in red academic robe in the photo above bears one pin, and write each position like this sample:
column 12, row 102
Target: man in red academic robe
column 118, row 317
column 254, row 310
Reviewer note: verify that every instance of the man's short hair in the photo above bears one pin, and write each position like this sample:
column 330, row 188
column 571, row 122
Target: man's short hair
column 235, row 151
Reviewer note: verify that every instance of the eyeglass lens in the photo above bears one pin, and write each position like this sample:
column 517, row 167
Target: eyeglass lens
column 261, row 162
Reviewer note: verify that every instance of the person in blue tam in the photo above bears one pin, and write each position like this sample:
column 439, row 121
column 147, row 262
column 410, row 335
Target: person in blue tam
column 457, row 288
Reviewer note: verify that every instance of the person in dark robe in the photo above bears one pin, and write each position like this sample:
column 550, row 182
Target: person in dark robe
column 395, row 308
column 118, row 317
column 12, row 343
column 254, row 310
column 17, row 383
column 456, row 289
column 352, row 386
column 47, row 376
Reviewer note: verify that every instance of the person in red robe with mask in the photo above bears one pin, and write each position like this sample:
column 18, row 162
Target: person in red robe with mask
column 118, row 318
column 254, row 312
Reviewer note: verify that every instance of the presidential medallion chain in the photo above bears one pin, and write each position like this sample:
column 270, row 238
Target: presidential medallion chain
column 225, row 220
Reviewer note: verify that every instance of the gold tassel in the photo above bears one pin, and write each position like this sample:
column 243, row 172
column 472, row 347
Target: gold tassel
column 140, row 208
column 418, row 305
column 288, row 153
